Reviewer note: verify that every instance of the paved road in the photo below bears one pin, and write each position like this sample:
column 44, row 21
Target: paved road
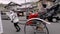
column 8, row 28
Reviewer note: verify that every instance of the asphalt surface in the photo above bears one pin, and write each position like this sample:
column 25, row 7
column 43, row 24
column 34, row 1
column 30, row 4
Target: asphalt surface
column 8, row 28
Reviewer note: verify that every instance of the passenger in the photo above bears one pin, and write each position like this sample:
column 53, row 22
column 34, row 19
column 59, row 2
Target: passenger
column 32, row 15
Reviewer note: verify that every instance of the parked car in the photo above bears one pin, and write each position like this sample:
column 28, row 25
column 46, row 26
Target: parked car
column 4, row 16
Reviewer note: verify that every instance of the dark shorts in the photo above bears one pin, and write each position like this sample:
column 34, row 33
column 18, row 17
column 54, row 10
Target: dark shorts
column 15, row 24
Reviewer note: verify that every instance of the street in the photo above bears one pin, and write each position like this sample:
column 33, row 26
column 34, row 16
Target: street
column 8, row 28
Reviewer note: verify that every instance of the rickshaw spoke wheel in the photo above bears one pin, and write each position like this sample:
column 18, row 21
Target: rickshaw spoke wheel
column 36, row 31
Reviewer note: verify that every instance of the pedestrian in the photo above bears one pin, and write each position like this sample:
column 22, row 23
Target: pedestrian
column 14, row 19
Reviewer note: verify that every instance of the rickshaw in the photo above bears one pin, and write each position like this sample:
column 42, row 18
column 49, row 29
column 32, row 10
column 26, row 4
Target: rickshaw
column 38, row 24
column 36, row 21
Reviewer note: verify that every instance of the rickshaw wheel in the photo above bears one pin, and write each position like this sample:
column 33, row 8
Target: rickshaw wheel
column 45, row 29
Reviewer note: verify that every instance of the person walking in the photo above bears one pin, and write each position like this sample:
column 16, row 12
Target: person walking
column 14, row 19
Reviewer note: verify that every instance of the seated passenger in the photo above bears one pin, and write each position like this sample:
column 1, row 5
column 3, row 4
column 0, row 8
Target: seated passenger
column 32, row 15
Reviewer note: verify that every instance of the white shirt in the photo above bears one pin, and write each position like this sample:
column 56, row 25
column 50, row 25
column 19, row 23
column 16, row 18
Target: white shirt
column 13, row 16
